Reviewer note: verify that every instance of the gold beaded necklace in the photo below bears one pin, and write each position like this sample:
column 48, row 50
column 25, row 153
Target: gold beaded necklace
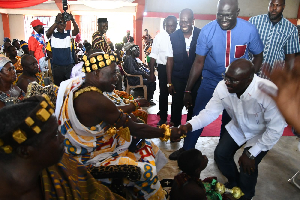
column 86, row 89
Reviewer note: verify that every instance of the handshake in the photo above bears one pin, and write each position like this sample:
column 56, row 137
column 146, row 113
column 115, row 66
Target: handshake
column 178, row 133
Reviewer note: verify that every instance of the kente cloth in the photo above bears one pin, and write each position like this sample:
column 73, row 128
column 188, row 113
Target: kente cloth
column 70, row 180
column 18, row 65
column 39, row 76
column 97, row 146
column 99, row 42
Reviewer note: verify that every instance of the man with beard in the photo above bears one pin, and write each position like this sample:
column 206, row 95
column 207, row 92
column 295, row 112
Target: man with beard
column 99, row 39
column 180, row 59
column 62, row 59
column 37, row 44
column 158, row 56
column 279, row 36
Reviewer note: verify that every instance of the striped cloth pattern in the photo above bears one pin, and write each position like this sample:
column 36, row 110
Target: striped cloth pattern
column 279, row 39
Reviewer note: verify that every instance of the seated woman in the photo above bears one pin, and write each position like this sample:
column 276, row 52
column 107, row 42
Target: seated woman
column 9, row 93
column 188, row 185
column 32, row 160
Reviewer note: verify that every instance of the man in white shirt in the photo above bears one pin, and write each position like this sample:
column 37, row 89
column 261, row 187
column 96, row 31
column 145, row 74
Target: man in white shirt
column 158, row 56
column 256, row 122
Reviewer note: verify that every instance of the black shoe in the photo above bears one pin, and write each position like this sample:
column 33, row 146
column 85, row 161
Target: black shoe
column 161, row 122
column 176, row 154
column 151, row 102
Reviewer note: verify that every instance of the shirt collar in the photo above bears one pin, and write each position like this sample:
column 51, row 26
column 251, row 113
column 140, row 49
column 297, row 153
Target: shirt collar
column 249, row 88
column 267, row 19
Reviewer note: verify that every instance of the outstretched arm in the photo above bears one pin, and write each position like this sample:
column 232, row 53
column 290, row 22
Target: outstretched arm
column 257, row 61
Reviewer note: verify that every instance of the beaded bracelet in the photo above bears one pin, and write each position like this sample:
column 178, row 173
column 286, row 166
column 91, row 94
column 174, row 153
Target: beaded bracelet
column 136, row 104
column 167, row 133
column 120, row 117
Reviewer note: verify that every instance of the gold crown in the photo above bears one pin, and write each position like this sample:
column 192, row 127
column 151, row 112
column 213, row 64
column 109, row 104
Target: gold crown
column 31, row 126
column 97, row 62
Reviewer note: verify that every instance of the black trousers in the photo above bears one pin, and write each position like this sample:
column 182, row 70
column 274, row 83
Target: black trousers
column 61, row 73
column 177, row 99
column 163, row 93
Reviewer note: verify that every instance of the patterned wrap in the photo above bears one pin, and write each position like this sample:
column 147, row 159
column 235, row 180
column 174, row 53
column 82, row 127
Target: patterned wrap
column 70, row 180
column 96, row 146
column 99, row 42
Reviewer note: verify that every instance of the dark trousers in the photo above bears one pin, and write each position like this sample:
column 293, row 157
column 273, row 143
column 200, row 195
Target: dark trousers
column 225, row 120
column 177, row 99
column 61, row 73
column 163, row 93
column 224, row 157
column 151, row 86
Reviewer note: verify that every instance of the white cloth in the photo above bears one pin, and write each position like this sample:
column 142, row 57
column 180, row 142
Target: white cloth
column 160, row 46
column 255, row 118
column 43, row 64
column 20, row 52
column 188, row 41
column 77, row 70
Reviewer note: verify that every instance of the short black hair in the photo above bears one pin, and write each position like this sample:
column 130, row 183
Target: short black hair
column 189, row 161
column 9, row 47
column 10, row 119
column 170, row 17
column 14, row 40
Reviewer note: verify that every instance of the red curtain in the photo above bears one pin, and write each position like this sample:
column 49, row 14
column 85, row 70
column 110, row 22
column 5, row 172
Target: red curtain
column 19, row 3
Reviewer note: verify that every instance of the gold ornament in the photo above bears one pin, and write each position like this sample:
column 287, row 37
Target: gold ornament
column 94, row 67
column 112, row 57
column 106, row 56
column 1, row 143
column 51, row 111
column 87, row 63
column 7, row 149
column 36, row 129
column 19, row 136
column 86, row 89
column 108, row 62
column 101, row 64
column 88, row 69
column 83, row 70
column 124, row 133
column 29, row 121
column 43, row 115
column 84, row 58
column 167, row 133
column 92, row 60
column 99, row 58
column 44, row 104
column 235, row 191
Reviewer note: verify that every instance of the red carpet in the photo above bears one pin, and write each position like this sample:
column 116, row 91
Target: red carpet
column 212, row 130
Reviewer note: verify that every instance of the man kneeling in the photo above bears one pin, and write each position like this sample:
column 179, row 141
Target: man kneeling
column 256, row 122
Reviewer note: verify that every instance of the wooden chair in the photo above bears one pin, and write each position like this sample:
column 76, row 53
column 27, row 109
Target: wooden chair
column 128, row 87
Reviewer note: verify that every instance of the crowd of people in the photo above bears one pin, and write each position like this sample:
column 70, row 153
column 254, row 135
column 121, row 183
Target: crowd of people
column 74, row 134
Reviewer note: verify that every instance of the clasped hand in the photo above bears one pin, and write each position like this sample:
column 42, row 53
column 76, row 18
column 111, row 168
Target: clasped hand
column 178, row 133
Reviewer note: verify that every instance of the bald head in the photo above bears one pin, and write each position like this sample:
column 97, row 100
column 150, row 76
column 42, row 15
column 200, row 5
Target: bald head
column 232, row 3
column 187, row 12
column 242, row 67
column 170, row 24
column 228, row 10
column 25, row 60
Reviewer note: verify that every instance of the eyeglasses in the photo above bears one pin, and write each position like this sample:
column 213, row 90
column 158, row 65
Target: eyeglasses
column 227, row 16
column 230, row 80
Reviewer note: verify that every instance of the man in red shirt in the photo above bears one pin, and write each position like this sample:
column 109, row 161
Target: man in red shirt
column 37, row 45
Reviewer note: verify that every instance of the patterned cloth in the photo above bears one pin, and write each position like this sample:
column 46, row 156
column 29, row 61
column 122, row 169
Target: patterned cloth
column 70, row 180
column 18, row 65
column 98, row 146
column 279, row 39
column 36, row 43
column 99, row 42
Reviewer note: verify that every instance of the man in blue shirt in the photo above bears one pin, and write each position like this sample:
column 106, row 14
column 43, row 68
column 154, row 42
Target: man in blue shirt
column 62, row 59
column 220, row 43
column 279, row 36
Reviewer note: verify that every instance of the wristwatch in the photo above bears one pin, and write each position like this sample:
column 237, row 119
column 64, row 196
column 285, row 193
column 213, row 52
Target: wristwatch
column 169, row 84
column 249, row 155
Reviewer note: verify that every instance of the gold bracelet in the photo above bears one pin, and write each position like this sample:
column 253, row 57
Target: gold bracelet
column 167, row 133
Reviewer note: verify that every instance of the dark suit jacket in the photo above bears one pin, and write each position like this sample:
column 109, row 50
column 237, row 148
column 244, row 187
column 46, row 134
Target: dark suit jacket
column 182, row 62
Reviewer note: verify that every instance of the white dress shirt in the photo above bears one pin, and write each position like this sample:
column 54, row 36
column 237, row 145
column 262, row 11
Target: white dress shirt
column 160, row 46
column 255, row 119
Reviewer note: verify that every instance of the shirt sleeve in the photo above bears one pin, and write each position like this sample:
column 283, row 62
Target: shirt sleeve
column 155, row 48
column 129, row 67
column 48, row 47
column 256, row 45
column 211, row 112
column 201, row 48
column 169, row 51
column 32, row 44
column 293, row 43
column 275, row 125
